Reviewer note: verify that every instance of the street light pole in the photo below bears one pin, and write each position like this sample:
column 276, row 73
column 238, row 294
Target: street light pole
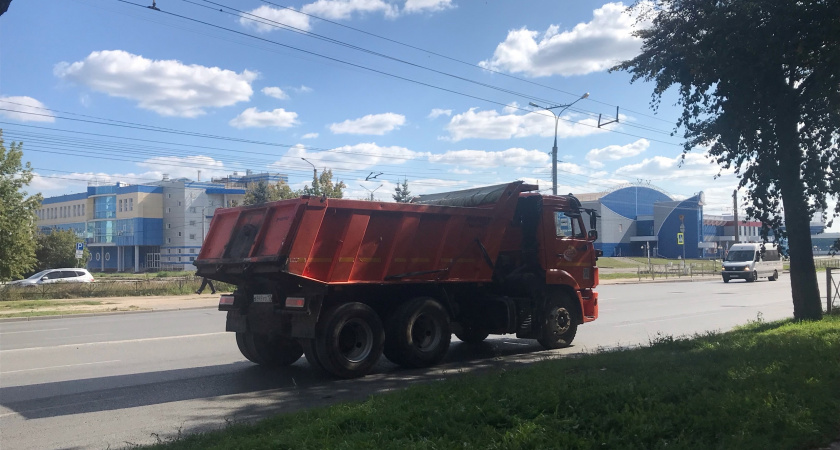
column 554, row 149
column 314, row 170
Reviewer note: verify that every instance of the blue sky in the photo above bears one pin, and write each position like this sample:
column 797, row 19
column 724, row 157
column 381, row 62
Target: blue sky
column 436, row 91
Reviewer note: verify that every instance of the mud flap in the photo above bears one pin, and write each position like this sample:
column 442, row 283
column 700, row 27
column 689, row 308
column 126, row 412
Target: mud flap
column 236, row 322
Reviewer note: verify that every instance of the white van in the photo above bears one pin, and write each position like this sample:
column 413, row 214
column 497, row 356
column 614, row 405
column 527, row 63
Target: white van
column 751, row 262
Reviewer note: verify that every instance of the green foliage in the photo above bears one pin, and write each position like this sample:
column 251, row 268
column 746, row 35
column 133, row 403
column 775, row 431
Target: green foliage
column 58, row 249
column 767, row 385
column 263, row 192
column 18, row 222
column 764, row 98
column 835, row 248
column 401, row 192
column 323, row 186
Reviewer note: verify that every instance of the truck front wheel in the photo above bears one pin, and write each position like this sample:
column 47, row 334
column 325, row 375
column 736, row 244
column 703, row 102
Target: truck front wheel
column 350, row 341
column 558, row 323
column 276, row 351
column 418, row 333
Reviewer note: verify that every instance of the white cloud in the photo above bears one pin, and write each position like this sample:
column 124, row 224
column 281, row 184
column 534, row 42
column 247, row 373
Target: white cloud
column 275, row 92
column 512, row 157
column 358, row 157
column 596, row 156
column 167, row 87
column 418, row 6
column 492, row 125
column 698, row 170
column 588, row 47
column 183, row 167
column 253, row 118
column 344, row 9
column 303, row 89
column 270, row 19
column 437, row 112
column 377, row 124
column 25, row 109
column 309, row 136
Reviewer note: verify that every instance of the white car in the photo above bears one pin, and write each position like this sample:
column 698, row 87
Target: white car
column 50, row 276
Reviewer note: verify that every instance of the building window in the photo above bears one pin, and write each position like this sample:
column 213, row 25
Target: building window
column 192, row 236
column 192, row 210
column 192, row 250
column 83, row 210
column 131, row 204
column 168, row 195
column 120, row 205
column 168, row 225
column 179, row 202
column 621, row 228
column 168, row 250
column 192, row 258
column 168, row 240
column 179, row 234
column 179, row 259
column 169, row 210
column 179, row 251
column 192, row 223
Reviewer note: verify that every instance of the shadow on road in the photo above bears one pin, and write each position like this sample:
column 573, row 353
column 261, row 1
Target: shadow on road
column 257, row 391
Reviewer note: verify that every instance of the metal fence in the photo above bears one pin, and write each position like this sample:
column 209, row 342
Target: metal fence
column 832, row 283
column 679, row 270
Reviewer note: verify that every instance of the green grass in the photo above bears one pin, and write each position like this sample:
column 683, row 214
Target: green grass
column 107, row 288
column 766, row 385
column 618, row 276
column 615, row 263
column 35, row 308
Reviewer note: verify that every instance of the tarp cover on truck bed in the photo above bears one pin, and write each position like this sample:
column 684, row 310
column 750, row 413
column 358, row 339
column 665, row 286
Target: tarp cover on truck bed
column 468, row 197
column 352, row 241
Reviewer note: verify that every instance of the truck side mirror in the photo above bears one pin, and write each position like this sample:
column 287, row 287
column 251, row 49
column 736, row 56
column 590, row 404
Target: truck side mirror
column 593, row 235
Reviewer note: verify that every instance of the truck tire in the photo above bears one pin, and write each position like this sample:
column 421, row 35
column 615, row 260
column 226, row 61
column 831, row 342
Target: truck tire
column 471, row 335
column 558, row 326
column 242, row 343
column 725, row 279
column 276, row 351
column 418, row 333
column 350, row 340
column 775, row 276
column 752, row 277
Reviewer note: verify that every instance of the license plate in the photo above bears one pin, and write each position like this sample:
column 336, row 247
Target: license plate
column 262, row 298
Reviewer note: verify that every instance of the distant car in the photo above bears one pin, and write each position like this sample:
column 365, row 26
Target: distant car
column 51, row 276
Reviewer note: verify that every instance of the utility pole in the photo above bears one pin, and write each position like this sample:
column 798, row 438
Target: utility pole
column 735, row 212
column 371, row 192
column 554, row 149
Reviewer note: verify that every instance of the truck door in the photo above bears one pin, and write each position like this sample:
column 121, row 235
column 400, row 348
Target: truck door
column 568, row 254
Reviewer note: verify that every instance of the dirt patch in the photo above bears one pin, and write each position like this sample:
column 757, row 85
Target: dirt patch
column 115, row 304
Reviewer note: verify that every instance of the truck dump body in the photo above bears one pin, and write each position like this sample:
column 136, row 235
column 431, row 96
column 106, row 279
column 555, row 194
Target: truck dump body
column 338, row 241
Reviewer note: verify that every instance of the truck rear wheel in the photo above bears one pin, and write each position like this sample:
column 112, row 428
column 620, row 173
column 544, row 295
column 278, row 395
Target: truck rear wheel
column 418, row 333
column 559, row 325
column 276, row 351
column 350, row 342
column 775, row 276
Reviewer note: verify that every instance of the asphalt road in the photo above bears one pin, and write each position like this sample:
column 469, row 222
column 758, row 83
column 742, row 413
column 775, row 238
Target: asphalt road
column 112, row 381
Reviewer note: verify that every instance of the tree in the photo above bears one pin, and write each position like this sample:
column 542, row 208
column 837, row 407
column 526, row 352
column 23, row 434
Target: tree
column 323, row 186
column 262, row 192
column 58, row 249
column 759, row 84
column 18, row 222
column 401, row 192
column 835, row 247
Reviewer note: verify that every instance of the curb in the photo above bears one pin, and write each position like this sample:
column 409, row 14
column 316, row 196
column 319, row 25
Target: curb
column 68, row 316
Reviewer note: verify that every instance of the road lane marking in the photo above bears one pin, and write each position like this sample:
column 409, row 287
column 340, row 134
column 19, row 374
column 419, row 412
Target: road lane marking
column 60, row 367
column 666, row 319
column 33, row 331
column 127, row 341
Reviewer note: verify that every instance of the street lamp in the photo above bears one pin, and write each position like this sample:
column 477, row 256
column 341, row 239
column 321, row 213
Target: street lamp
column 554, row 149
column 371, row 192
column 314, row 170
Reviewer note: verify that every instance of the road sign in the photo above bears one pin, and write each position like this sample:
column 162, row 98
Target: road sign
column 680, row 239
column 682, row 228
column 80, row 249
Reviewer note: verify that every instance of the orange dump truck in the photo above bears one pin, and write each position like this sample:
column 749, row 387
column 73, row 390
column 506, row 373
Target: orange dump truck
column 344, row 281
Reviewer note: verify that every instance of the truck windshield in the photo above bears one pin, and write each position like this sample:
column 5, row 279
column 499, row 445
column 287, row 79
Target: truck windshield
column 740, row 255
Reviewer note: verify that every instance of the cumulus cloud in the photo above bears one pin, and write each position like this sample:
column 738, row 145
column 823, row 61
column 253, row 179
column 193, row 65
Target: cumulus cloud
column 253, row 118
column 25, row 109
column 696, row 170
column 588, row 47
column 309, row 136
column 596, row 156
column 419, row 6
column 377, row 124
column 167, row 87
column 437, row 112
column 345, row 9
column 359, row 156
column 265, row 19
column 512, row 157
column 492, row 125
column 275, row 92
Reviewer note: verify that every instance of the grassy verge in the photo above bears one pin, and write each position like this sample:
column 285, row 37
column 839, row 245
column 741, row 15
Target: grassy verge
column 107, row 288
column 35, row 308
column 766, row 385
